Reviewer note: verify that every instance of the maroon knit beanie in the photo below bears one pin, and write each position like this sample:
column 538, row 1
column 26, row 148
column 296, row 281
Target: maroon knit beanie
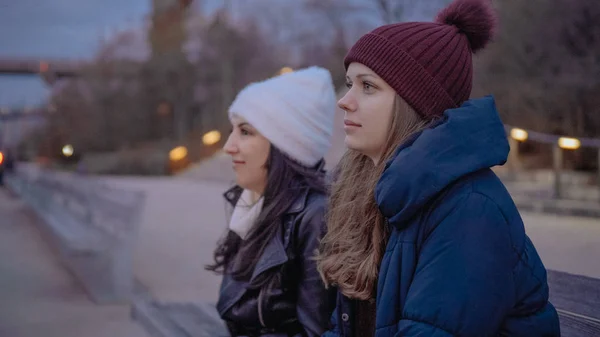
column 429, row 64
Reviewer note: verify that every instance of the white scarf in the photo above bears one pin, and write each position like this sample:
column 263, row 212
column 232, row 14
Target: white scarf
column 245, row 214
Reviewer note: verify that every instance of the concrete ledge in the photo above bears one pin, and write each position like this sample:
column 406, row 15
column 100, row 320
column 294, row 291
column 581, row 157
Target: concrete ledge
column 559, row 207
column 178, row 319
column 94, row 228
column 155, row 323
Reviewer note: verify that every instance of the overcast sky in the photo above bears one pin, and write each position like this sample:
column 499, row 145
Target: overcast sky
column 69, row 29
column 57, row 29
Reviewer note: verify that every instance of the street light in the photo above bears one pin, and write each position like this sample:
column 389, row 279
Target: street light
column 569, row 143
column 178, row 153
column 564, row 143
column 519, row 134
column 67, row 150
column 516, row 135
column 44, row 66
column 285, row 70
column 211, row 137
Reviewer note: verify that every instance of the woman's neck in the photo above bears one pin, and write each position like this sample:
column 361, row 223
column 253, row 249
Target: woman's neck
column 254, row 197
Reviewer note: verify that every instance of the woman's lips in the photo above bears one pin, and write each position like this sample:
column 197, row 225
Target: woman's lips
column 350, row 125
column 348, row 122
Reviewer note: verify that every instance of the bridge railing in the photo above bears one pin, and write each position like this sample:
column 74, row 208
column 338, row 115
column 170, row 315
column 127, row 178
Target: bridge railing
column 94, row 226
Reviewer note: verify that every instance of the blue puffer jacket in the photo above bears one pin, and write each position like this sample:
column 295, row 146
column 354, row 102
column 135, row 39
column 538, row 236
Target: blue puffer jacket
column 458, row 261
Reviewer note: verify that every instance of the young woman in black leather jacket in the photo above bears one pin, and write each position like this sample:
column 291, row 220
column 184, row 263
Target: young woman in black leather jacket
column 281, row 131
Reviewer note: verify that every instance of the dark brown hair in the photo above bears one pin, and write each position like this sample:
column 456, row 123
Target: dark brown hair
column 285, row 179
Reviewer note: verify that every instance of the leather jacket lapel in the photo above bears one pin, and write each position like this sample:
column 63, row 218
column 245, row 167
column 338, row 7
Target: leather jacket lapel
column 274, row 254
column 231, row 292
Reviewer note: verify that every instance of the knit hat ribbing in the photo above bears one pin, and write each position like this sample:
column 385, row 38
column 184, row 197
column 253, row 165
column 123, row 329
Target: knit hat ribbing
column 294, row 111
column 429, row 64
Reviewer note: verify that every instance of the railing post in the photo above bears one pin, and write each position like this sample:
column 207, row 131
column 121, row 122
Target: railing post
column 513, row 158
column 557, row 156
column 598, row 177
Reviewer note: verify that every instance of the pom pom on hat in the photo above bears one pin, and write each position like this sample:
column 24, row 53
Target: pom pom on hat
column 474, row 18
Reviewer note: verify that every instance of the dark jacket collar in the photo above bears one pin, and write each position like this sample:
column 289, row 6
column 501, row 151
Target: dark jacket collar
column 467, row 139
column 274, row 254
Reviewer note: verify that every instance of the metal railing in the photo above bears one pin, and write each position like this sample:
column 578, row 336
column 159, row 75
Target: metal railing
column 559, row 145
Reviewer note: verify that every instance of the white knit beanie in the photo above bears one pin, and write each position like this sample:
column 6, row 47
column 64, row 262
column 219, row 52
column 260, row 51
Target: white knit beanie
column 294, row 111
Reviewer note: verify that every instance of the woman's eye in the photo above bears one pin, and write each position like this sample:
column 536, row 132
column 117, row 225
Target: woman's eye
column 244, row 132
column 367, row 86
column 348, row 85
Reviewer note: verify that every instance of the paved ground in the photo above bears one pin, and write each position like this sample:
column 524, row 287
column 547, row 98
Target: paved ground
column 181, row 224
column 183, row 219
column 38, row 297
column 568, row 244
column 186, row 216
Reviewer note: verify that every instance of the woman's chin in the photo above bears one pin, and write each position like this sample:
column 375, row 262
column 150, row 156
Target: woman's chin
column 352, row 143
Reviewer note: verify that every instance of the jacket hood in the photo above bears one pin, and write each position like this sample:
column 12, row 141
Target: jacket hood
column 465, row 140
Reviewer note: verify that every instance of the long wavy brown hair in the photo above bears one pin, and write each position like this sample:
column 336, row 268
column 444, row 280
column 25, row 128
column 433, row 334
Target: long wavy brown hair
column 350, row 253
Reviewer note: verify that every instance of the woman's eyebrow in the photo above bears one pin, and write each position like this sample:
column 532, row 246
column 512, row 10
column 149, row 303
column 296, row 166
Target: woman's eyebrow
column 366, row 75
column 361, row 76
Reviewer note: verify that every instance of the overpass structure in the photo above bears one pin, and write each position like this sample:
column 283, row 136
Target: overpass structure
column 7, row 115
column 48, row 70
column 165, row 34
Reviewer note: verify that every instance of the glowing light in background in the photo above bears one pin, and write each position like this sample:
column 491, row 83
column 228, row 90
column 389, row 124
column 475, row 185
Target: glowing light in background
column 285, row 70
column 519, row 134
column 211, row 137
column 178, row 153
column 569, row 143
column 44, row 67
column 67, row 150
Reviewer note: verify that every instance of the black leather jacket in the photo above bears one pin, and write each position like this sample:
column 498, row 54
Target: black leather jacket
column 296, row 302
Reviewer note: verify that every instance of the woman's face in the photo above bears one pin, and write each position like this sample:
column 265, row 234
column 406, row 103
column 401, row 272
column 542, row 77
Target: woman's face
column 249, row 151
column 368, row 106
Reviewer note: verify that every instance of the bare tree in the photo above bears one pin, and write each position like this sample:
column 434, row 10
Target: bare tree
column 392, row 11
column 250, row 56
column 330, row 52
column 544, row 70
column 102, row 109
column 547, row 75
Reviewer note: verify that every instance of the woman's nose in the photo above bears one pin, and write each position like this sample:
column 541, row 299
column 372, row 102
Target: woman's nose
column 230, row 146
column 347, row 103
